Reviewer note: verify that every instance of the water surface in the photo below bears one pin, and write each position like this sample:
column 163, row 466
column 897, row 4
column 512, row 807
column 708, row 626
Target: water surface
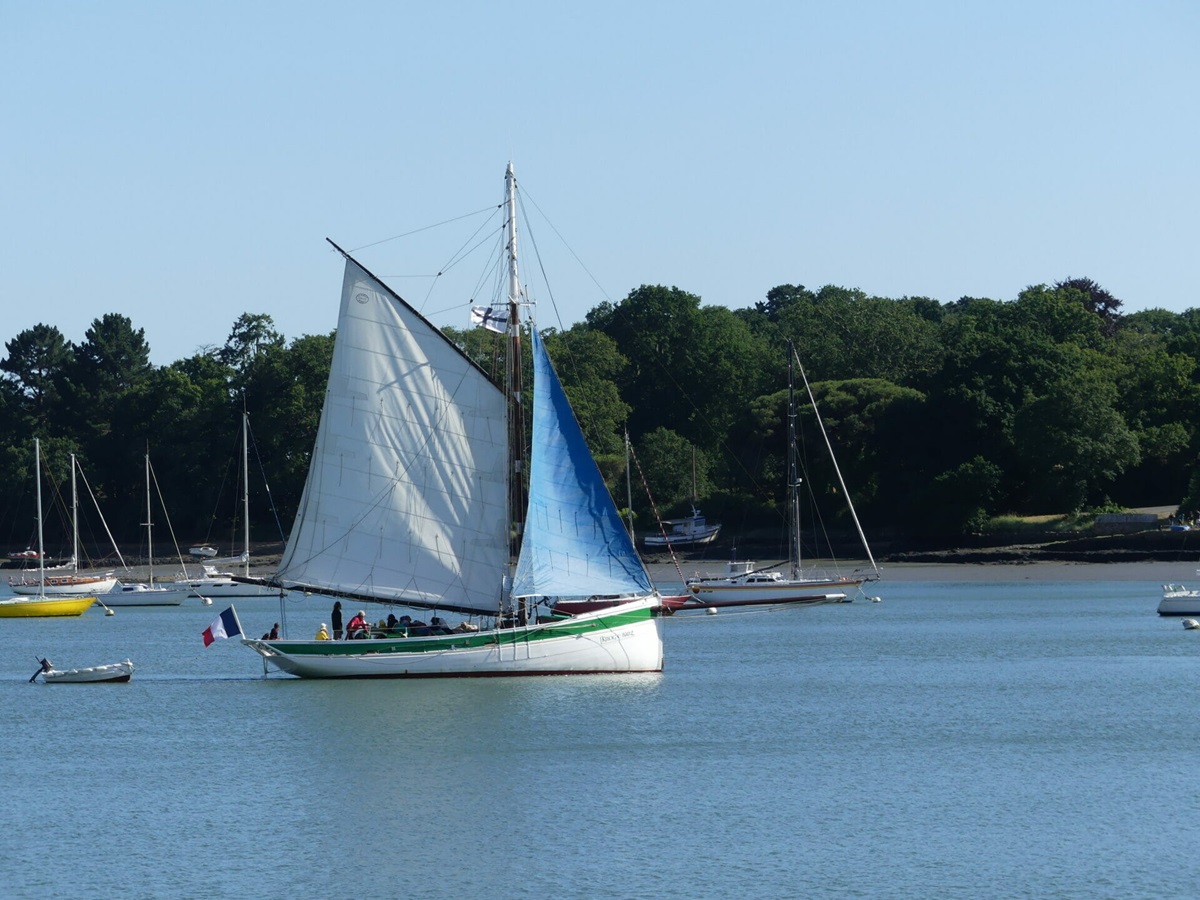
column 959, row 739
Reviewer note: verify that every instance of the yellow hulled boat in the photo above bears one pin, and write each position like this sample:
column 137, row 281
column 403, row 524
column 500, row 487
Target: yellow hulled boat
column 40, row 607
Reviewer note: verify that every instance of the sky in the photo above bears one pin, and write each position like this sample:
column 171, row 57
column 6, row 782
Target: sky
column 182, row 163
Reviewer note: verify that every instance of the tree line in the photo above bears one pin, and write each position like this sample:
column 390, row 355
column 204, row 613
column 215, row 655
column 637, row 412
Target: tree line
column 942, row 415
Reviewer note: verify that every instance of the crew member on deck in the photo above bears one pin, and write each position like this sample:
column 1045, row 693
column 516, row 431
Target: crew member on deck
column 358, row 627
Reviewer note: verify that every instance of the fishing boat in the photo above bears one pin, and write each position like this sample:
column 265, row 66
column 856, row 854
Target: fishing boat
column 745, row 583
column 148, row 593
column 68, row 584
column 414, row 482
column 42, row 606
column 110, row 673
column 689, row 531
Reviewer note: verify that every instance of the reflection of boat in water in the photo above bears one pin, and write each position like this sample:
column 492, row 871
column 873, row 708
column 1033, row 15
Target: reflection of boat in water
column 689, row 531
column 111, row 673
column 743, row 583
column 408, row 502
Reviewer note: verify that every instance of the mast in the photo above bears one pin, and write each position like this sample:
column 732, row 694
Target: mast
column 74, row 520
column 149, row 527
column 516, row 419
column 245, row 487
column 793, row 473
column 37, row 477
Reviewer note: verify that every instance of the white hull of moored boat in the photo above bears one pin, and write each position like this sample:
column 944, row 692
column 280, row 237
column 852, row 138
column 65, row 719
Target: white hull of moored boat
column 64, row 586
column 1179, row 601
column 783, row 592
column 223, row 589
column 144, row 595
column 618, row 640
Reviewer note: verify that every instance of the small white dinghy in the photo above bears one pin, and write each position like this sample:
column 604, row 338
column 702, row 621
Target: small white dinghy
column 113, row 672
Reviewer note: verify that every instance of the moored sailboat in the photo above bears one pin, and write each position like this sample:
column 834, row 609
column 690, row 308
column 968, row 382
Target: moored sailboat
column 74, row 583
column 408, row 502
column 214, row 583
column 40, row 605
column 744, row 583
column 148, row 593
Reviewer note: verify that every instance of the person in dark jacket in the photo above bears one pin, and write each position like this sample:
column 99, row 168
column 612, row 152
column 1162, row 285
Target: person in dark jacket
column 336, row 619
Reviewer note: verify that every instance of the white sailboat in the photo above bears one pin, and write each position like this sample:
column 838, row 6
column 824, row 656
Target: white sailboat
column 74, row 583
column 40, row 605
column 148, row 594
column 744, row 583
column 408, row 502
column 216, row 584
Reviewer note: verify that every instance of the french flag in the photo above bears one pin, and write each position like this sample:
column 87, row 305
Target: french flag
column 224, row 626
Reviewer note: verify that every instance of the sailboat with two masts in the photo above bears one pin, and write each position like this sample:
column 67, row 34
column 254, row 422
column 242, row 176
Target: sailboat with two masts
column 74, row 583
column 408, row 503
column 40, row 605
column 744, row 583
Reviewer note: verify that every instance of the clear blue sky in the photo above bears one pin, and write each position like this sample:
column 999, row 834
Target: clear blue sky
column 182, row 163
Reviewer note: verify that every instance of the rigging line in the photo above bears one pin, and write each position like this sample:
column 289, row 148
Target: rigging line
column 424, row 228
column 262, row 470
column 96, row 503
column 166, row 515
column 654, row 506
column 569, row 248
column 459, row 255
column 836, row 467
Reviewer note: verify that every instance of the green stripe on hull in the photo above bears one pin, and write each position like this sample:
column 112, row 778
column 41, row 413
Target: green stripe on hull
column 464, row 640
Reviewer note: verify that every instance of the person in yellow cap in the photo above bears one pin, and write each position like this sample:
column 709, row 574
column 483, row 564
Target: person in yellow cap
column 322, row 633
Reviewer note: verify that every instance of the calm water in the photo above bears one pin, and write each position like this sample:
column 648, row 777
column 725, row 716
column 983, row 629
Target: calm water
column 956, row 740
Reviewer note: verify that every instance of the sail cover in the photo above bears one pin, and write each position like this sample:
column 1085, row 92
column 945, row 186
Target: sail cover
column 574, row 544
column 406, row 498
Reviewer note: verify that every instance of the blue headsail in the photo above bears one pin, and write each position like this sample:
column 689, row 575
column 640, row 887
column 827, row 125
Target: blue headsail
column 574, row 543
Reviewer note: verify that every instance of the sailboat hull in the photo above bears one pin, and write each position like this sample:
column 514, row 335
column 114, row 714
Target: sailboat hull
column 42, row 607
column 623, row 639
column 730, row 591
column 138, row 594
column 65, row 585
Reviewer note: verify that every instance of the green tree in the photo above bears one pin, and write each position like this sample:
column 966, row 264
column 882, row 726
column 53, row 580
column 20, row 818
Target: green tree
column 670, row 463
column 1073, row 444
column 36, row 360
column 590, row 366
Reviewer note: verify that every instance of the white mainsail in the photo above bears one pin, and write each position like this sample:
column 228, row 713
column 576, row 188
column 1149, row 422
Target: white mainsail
column 406, row 498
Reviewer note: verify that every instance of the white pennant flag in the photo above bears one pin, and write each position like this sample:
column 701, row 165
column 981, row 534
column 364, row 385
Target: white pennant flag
column 491, row 319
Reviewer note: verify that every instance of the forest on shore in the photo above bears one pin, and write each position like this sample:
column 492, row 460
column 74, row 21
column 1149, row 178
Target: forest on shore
column 942, row 415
